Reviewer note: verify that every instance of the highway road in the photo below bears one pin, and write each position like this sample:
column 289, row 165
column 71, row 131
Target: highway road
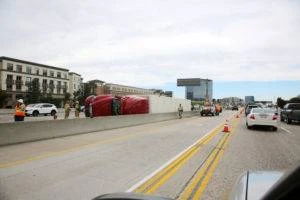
column 189, row 158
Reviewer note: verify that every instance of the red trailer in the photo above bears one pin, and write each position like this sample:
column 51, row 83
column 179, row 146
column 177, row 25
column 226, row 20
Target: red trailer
column 132, row 104
column 107, row 105
column 102, row 105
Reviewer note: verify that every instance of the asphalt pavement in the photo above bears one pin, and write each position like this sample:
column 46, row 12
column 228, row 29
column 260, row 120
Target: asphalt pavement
column 187, row 158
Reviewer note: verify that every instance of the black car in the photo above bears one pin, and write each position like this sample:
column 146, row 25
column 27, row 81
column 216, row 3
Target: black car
column 235, row 108
column 290, row 112
column 249, row 107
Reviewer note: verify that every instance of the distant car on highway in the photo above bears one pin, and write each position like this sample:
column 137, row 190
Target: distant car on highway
column 208, row 110
column 40, row 109
column 219, row 108
column 249, row 107
column 290, row 112
column 235, row 108
column 262, row 117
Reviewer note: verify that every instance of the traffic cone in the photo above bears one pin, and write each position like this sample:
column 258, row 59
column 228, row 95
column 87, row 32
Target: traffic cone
column 226, row 127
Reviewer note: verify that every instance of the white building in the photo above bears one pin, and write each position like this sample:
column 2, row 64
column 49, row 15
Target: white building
column 117, row 89
column 15, row 73
column 75, row 83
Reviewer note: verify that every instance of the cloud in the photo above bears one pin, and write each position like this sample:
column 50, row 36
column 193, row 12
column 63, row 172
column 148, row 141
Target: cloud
column 151, row 43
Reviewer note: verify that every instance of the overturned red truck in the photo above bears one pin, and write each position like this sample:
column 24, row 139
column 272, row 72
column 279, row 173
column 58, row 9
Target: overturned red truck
column 108, row 105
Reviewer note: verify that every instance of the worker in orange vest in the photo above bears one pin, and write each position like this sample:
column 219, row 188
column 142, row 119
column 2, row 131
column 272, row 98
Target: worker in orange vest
column 20, row 111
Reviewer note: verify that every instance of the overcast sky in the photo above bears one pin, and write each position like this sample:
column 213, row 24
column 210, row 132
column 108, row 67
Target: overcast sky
column 152, row 43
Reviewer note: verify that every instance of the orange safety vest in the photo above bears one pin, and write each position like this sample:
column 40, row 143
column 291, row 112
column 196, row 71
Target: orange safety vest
column 19, row 111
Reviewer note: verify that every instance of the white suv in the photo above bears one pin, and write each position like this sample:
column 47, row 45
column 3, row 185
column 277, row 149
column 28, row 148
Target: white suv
column 40, row 109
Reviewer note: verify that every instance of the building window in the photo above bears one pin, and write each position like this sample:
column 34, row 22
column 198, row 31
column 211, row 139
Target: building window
column 10, row 67
column 28, row 80
column 44, row 85
column 52, row 73
column 9, row 82
column 19, row 68
column 65, row 87
column 65, row 75
column 37, row 71
column 51, row 85
column 28, row 70
column 19, row 83
column 58, row 88
column 58, row 74
column 44, row 72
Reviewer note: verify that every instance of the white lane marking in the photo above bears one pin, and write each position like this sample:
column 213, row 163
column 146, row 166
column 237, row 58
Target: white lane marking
column 286, row 130
column 132, row 188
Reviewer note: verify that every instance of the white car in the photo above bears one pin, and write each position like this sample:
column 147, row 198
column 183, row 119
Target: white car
column 262, row 117
column 40, row 109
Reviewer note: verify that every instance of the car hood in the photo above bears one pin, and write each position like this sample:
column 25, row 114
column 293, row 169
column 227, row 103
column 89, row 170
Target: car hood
column 252, row 185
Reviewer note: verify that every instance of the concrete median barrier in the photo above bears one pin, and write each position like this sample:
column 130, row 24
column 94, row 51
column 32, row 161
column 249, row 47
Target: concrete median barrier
column 20, row 132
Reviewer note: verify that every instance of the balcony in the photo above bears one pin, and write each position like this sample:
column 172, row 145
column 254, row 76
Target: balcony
column 19, row 82
column 44, row 87
column 58, row 89
column 65, row 88
column 8, row 87
column 10, row 82
column 51, row 86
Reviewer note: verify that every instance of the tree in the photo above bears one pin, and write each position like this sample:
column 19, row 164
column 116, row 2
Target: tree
column 3, row 98
column 88, row 90
column 281, row 102
column 33, row 91
column 67, row 96
column 79, row 96
column 294, row 100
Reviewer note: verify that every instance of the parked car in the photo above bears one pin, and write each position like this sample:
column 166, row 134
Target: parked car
column 262, row 117
column 235, row 108
column 290, row 112
column 40, row 109
column 249, row 107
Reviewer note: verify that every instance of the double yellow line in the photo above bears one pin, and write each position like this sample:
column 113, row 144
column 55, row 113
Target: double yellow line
column 197, row 185
column 152, row 184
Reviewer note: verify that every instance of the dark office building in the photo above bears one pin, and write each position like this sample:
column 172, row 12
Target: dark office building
column 249, row 99
column 197, row 89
